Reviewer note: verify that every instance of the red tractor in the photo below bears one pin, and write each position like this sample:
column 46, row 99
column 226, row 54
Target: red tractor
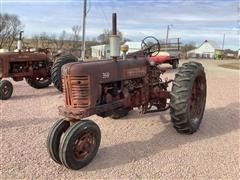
column 34, row 67
column 112, row 88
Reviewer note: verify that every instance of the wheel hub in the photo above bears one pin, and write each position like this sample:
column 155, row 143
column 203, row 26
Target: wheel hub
column 84, row 146
column 197, row 100
column 5, row 89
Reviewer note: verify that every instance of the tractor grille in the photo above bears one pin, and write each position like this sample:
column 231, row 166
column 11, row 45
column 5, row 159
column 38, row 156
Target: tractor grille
column 76, row 91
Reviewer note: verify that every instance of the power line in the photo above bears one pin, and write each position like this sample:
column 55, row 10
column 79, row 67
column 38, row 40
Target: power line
column 89, row 6
column 104, row 14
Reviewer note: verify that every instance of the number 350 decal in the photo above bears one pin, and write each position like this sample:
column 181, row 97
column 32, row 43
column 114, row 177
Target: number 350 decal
column 105, row 75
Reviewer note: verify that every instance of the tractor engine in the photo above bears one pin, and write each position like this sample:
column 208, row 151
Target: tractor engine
column 142, row 92
column 25, row 66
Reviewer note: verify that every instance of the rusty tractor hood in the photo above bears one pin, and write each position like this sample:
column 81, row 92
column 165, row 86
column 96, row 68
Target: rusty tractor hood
column 108, row 70
column 23, row 56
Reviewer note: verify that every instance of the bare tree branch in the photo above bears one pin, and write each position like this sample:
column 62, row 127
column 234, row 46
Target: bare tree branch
column 10, row 27
column 76, row 36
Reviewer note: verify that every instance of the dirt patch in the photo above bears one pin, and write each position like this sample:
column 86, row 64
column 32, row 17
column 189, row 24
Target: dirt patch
column 231, row 65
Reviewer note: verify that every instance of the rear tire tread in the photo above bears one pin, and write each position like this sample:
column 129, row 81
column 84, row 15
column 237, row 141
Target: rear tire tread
column 179, row 96
column 56, row 69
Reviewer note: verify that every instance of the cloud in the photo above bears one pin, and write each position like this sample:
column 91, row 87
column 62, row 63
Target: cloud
column 192, row 20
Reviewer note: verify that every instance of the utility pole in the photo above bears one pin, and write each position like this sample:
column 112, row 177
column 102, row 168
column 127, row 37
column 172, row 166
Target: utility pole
column 83, row 29
column 223, row 41
column 168, row 29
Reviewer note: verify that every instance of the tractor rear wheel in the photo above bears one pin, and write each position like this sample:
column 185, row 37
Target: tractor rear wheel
column 39, row 83
column 56, row 69
column 54, row 138
column 188, row 98
column 6, row 89
column 80, row 144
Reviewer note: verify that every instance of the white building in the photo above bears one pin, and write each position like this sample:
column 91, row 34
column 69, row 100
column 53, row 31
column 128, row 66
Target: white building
column 208, row 49
column 101, row 51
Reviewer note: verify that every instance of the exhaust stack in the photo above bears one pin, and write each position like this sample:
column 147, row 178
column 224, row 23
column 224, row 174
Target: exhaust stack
column 19, row 43
column 114, row 39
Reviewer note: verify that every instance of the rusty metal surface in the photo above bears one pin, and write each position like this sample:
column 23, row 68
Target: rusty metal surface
column 101, row 72
column 74, row 113
column 134, row 72
column 84, row 146
column 76, row 89
column 105, row 71
column 197, row 99
column 15, row 56
column 101, row 87
column 80, row 113
column 10, row 58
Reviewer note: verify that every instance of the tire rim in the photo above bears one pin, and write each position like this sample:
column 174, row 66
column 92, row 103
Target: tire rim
column 6, row 90
column 84, row 146
column 197, row 99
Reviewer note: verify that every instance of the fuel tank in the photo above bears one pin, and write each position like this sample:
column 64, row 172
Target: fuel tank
column 108, row 70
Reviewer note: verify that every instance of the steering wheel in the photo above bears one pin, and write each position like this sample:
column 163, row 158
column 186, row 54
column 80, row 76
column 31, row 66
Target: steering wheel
column 150, row 46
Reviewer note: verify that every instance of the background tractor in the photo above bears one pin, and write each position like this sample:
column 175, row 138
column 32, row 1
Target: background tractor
column 34, row 67
column 112, row 88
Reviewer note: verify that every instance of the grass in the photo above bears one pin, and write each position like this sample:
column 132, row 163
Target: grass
column 231, row 65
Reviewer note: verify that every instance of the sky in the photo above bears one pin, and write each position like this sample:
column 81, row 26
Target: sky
column 190, row 20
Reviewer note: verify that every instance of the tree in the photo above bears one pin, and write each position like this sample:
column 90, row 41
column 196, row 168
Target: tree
column 61, row 40
column 104, row 37
column 45, row 40
column 35, row 41
column 58, row 42
column 76, row 35
column 10, row 27
column 188, row 47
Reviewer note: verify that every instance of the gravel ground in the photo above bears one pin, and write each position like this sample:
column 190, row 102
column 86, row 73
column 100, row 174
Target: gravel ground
column 139, row 146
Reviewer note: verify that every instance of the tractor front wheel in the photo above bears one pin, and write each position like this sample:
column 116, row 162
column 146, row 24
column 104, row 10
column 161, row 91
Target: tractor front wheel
column 188, row 98
column 80, row 144
column 6, row 89
column 54, row 138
